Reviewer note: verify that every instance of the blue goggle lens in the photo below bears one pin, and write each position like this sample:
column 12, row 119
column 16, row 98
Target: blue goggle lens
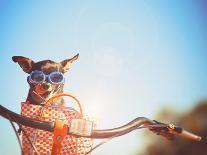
column 37, row 77
column 56, row 77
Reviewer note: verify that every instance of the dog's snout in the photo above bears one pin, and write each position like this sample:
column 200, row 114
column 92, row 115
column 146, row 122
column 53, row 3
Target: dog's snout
column 43, row 88
column 46, row 86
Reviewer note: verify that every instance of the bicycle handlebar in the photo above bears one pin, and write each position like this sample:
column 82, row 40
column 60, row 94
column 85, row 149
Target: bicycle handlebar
column 141, row 122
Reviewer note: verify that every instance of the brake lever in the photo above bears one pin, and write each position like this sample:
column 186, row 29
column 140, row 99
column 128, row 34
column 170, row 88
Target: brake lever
column 169, row 131
column 163, row 130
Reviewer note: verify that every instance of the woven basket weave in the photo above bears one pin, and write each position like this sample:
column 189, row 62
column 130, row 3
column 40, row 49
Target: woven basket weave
column 43, row 140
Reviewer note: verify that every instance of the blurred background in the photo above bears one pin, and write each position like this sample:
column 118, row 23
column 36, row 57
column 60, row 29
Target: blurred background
column 193, row 120
column 137, row 58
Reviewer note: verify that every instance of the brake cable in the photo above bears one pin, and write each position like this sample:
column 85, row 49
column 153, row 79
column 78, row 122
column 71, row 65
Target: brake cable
column 17, row 135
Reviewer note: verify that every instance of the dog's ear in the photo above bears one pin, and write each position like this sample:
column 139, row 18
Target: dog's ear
column 25, row 63
column 66, row 63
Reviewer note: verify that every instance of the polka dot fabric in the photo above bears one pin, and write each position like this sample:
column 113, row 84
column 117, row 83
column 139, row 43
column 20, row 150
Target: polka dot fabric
column 43, row 140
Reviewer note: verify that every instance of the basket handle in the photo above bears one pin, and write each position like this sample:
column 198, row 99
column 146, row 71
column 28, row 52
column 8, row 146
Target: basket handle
column 47, row 102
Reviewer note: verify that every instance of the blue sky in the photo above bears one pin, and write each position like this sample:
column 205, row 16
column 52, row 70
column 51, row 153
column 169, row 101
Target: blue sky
column 135, row 58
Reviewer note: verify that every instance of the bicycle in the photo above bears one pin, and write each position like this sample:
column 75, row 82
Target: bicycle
column 168, row 131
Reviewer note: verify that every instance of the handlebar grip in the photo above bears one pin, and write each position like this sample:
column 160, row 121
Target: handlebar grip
column 189, row 135
column 177, row 131
column 183, row 133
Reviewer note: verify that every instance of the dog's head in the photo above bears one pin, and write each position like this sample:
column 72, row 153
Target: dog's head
column 45, row 77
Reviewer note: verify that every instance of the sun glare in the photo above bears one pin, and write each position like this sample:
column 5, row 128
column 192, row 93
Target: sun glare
column 93, row 111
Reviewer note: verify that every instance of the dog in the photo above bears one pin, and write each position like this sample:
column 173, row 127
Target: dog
column 46, row 78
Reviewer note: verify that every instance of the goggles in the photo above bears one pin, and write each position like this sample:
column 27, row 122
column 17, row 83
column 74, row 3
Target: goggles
column 38, row 77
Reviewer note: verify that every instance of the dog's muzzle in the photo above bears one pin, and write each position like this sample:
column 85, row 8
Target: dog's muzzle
column 43, row 88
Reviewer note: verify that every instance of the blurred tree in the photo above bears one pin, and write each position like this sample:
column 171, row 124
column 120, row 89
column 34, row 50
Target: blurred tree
column 194, row 121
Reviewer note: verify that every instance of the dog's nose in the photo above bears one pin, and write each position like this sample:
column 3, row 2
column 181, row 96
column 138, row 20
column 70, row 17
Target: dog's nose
column 46, row 86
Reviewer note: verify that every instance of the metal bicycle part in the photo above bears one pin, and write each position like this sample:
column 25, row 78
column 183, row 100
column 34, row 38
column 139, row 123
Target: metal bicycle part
column 97, row 134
